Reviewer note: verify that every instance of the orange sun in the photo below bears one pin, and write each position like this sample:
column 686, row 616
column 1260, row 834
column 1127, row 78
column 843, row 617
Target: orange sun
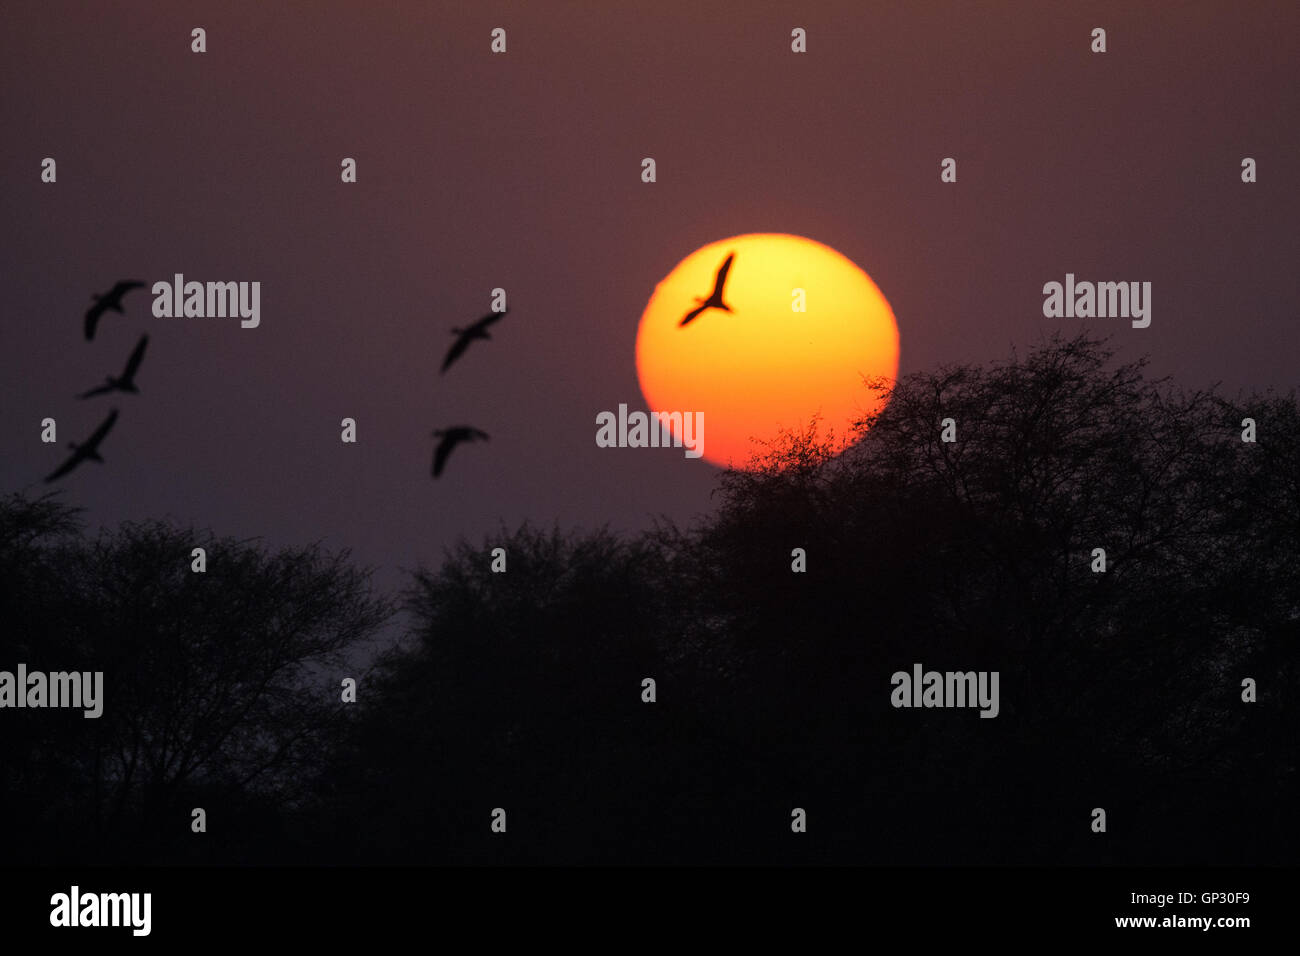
column 765, row 366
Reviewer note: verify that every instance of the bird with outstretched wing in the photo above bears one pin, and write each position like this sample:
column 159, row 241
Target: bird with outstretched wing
column 451, row 437
column 126, row 381
column 714, row 301
column 87, row 450
column 465, row 336
column 112, row 299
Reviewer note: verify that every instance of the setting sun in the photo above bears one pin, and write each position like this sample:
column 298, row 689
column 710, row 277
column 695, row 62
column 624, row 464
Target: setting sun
column 764, row 365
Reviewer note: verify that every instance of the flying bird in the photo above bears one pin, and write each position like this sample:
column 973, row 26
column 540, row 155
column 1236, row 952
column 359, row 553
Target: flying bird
column 88, row 450
column 714, row 301
column 112, row 299
column 126, row 381
column 479, row 330
column 451, row 437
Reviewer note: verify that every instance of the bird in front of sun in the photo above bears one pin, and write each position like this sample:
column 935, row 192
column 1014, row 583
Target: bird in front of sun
column 813, row 329
column 112, row 299
column 126, row 381
column 465, row 336
column 87, row 450
column 714, row 301
column 451, row 437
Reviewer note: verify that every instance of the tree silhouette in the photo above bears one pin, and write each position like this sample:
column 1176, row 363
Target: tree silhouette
column 1119, row 689
column 220, row 688
column 517, row 690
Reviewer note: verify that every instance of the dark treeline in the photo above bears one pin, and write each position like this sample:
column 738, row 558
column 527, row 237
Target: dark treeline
column 523, row 690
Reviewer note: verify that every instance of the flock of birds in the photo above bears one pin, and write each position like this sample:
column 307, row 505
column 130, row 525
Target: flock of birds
column 89, row 449
column 448, row 437
column 451, row 437
column 456, row 434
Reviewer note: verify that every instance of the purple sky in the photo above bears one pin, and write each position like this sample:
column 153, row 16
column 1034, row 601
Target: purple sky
column 522, row 171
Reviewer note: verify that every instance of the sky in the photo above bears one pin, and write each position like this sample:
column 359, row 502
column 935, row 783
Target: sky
column 523, row 171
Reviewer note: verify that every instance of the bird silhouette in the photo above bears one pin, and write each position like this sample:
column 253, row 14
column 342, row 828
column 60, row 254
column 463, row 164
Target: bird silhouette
column 126, row 381
column 451, row 437
column 87, row 450
column 479, row 330
column 112, row 299
column 714, row 301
